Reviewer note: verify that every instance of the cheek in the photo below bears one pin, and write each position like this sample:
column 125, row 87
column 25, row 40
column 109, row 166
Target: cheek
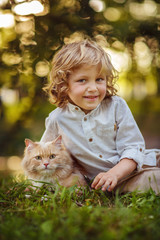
column 75, row 91
column 31, row 165
column 102, row 89
column 37, row 163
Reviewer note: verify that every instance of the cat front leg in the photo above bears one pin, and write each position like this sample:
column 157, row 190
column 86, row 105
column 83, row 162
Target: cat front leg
column 73, row 179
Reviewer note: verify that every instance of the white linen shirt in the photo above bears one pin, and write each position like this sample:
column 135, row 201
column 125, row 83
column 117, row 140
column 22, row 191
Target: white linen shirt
column 101, row 138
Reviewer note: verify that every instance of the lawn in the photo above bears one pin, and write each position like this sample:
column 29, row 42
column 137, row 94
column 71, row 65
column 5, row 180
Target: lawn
column 60, row 213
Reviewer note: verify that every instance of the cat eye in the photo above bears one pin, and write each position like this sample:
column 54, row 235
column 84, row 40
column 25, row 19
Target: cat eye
column 38, row 158
column 52, row 156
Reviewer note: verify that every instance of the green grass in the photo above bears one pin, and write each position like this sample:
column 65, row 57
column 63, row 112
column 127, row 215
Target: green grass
column 75, row 214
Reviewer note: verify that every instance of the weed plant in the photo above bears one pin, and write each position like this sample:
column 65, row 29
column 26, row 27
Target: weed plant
column 75, row 213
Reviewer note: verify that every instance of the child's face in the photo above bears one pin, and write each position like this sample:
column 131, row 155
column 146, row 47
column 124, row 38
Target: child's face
column 87, row 87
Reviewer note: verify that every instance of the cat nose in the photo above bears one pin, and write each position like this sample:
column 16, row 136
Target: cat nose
column 46, row 164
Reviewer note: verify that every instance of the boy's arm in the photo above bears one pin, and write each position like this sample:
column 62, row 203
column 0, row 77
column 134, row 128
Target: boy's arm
column 111, row 178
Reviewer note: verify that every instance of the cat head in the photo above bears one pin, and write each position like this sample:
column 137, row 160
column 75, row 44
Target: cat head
column 46, row 159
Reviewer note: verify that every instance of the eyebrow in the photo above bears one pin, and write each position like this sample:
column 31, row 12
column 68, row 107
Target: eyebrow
column 79, row 76
column 85, row 76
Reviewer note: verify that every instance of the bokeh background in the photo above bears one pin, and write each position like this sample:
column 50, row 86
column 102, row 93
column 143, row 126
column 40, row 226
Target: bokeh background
column 32, row 31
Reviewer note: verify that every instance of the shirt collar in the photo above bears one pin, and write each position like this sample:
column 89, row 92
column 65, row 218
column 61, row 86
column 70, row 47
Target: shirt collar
column 76, row 109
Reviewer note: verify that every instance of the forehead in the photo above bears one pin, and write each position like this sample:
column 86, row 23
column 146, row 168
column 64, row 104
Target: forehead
column 87, row 68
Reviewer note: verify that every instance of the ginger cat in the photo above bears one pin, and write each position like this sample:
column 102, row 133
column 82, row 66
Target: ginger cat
column 50, row 162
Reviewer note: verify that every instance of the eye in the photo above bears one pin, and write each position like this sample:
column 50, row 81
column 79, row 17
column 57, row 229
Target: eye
column 38, row 158
column 52, row 156
column 99, row 79
column 81, row 80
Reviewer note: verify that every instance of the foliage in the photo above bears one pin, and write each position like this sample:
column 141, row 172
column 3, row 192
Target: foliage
column 75, row 213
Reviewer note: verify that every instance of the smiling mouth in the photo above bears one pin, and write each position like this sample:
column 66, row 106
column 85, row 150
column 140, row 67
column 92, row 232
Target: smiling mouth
column 90, row 97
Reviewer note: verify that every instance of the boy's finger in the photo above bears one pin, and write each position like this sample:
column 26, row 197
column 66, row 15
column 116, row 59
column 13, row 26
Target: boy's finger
column 107, row 185
column 112, row 186
column 100, row 183
column 95, row 181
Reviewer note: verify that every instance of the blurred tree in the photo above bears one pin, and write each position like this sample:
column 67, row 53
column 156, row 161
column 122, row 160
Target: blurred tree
column 29, row 39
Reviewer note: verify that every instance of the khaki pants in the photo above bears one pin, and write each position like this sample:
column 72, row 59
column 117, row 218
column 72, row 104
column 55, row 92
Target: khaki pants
column 142, row 180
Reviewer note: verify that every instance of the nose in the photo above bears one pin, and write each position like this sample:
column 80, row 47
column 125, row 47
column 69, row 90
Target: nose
column 92, row 87
column 46, row 164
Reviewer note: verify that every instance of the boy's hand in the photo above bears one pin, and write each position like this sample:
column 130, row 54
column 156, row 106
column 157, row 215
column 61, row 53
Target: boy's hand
column 105, row 180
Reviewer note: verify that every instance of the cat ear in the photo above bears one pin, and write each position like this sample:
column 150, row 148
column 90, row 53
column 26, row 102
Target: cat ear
column 29, row 143
column 58, row 141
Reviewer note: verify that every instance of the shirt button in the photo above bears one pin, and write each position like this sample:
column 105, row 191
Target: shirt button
column 140, row 149
column 76, row 108
column 100, row 156
column 85, row 119
column 91, row 139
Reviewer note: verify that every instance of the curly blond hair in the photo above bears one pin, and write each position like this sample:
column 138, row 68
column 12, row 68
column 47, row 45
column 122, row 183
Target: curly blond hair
column 71, row 56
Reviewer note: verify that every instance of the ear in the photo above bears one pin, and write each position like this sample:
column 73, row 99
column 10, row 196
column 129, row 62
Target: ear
column 58, row 142
column 29, row 143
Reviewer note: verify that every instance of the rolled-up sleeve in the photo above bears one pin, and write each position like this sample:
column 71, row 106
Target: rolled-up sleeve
column 51, row 131
column 129, row 140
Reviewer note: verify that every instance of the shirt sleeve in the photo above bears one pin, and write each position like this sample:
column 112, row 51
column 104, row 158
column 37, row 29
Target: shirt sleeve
column 129, row 140
column 51, row 130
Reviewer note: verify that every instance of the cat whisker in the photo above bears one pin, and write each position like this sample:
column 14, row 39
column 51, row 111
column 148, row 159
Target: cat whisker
column 59, row 166
column 33, row 170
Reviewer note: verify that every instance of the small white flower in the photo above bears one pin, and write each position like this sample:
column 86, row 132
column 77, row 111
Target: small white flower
column 27, row 195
